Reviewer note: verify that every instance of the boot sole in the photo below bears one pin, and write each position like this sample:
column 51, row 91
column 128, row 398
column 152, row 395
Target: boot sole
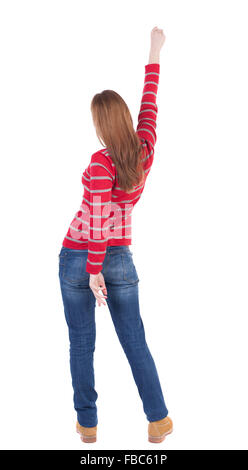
column 87, row 439
column 158, row 439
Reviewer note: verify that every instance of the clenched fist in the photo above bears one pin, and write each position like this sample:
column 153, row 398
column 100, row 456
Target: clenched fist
column 157, row 39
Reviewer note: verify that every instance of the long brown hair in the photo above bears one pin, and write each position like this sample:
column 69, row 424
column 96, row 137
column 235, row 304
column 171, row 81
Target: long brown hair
column 114, row 128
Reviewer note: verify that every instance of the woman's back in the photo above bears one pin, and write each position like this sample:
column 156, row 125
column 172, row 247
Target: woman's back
column 104, row 217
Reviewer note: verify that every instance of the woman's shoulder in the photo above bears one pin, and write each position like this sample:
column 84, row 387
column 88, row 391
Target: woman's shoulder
column 103, row 158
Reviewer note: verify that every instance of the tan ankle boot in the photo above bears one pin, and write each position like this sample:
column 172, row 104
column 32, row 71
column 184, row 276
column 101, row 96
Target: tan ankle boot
column 157, row 430
column 87, row 435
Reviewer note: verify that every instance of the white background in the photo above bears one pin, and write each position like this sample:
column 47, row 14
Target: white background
column 191, row 259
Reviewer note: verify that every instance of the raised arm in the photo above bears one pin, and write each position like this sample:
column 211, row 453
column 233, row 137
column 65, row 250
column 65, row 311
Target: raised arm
column 147, row 117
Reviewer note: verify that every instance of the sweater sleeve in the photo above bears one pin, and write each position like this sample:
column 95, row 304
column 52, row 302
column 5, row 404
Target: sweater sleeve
column 147, row 117
column 100, row 193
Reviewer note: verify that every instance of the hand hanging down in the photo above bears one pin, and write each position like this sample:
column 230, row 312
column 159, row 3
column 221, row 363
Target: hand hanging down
column 97, row 283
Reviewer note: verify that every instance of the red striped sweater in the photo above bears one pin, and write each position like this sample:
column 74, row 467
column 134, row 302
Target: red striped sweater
column 104, row 217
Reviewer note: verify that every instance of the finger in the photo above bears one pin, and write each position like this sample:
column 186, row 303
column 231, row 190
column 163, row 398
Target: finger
column 99, row 298
column 104, row 289
column 103, row 286
column 97, row 289
column 100, row 303
column 98, row 295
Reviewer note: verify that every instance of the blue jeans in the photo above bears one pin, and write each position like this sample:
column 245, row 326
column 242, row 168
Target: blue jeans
column 121, row 280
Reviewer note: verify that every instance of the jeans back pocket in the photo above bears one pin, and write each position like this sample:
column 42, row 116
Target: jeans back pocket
column 130, row 272
column 113, row 268
column 74, row 268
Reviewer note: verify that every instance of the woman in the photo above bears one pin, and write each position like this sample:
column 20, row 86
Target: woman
column 96, row 263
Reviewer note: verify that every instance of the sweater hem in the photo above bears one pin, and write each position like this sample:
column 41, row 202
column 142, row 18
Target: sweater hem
column 84, row 245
